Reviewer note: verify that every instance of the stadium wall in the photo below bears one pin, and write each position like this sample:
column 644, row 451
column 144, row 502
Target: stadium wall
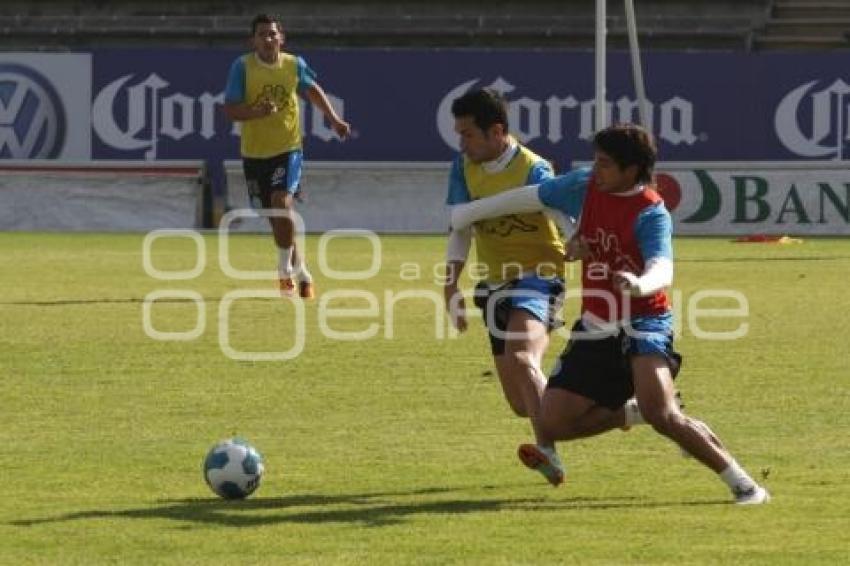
column 101, row 196
column 705, row 198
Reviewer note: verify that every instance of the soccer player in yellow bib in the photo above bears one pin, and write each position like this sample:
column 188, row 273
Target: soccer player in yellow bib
column 520, row 256
column 262, row 93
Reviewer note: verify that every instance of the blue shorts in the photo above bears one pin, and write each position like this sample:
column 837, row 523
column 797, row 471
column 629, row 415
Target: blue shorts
column 650, row 335
column 599, row 368
column 541, row 297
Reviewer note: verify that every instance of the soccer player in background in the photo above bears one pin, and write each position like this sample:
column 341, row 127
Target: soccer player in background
column 262, row 94
column 622, row 345
column 520, row 256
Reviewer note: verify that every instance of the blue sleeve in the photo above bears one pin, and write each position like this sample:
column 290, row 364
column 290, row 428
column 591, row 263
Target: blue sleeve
column 654, row 232
column 306, row 75
column 540, row 171
column 566, row 192
column 234, row 92
column 458, row 191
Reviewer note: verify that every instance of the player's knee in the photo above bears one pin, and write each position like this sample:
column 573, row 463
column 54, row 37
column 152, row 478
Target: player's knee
column 281, row 199
column 665, row 421
column 523, row 360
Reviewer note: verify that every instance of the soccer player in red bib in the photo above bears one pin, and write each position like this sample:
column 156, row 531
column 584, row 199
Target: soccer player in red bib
column 619, row 365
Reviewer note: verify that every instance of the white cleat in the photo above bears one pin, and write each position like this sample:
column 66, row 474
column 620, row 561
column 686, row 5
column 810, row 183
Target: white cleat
column 756, row 495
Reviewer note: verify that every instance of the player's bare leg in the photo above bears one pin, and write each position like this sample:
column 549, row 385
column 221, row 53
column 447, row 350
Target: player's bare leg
column 656, row 397
column 567, row 416
column 527, row 382
column 290, row 264
column 283, row 232
column 523, row 381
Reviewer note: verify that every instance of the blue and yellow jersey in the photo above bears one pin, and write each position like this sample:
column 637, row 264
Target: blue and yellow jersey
column 250, row 81
column 517, row 243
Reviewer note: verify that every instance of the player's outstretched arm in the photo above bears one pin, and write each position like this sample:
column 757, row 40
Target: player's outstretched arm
column 515, row 201
column 564, row 193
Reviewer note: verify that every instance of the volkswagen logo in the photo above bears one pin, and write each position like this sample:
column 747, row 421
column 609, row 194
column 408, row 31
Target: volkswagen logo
column 32, row 119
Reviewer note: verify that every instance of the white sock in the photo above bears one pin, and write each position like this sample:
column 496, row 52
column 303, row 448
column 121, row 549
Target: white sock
column 284, row 262
column 551, row 453
column 633, row 414
column 303, row 273
column 736, row 478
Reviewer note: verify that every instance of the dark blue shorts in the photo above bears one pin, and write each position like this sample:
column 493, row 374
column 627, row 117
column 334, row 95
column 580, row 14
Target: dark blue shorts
column 600, row 369
column 541, row 297
column 265, row 176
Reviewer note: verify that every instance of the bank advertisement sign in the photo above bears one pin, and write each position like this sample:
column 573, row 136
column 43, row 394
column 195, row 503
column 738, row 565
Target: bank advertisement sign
column 775, row 198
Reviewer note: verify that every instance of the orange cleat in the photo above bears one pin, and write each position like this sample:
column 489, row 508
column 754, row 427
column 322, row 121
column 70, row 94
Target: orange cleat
column 543, row 460
column 306, row 290
column 287, row 287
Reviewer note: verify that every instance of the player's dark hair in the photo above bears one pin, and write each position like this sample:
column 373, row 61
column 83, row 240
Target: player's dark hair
column 629, row 144
column 265, row 19
column 485, row 105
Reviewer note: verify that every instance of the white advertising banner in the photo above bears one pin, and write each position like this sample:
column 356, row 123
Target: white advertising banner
column 45, row 106
column 795, row 198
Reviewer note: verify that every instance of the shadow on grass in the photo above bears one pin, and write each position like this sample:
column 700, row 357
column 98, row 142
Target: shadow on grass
column 369, row 509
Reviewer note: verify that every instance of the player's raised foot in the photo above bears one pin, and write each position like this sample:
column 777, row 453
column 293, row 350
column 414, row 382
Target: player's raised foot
column 633, row 415
column 544, row 460
column 756, row 495
column 306, row 290
column 287, row 287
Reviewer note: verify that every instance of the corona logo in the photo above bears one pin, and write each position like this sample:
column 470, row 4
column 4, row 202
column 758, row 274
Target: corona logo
column 826, row 135
column 134, row 114
column 557, row 117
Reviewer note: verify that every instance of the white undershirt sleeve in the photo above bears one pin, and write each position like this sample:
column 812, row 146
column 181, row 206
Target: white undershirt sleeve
column 516, row 201
column 657, row 275
column 457, row 248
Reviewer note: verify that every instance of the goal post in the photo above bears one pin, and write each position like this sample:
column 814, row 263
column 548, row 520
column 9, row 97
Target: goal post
column 601, row 115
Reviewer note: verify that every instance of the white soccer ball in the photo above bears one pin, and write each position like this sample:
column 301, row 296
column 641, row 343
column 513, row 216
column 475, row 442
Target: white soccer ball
column 233, row 468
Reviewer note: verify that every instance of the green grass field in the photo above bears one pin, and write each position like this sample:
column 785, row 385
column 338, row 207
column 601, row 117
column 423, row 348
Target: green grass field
column 399, row 448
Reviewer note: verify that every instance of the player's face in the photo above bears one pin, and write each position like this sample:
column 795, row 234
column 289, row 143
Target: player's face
column 610, row 178
column 477, row 144
column 268, row 38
